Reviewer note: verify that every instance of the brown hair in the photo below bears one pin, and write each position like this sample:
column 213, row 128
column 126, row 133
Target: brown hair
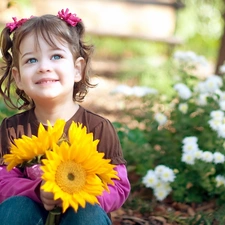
column 49, row 27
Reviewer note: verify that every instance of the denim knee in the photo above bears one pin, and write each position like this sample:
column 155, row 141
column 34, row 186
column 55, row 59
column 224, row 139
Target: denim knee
column 20, row 210
column 90, row 215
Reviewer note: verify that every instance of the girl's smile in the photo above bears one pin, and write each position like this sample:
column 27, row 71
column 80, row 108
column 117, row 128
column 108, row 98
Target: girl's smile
column 44, row 81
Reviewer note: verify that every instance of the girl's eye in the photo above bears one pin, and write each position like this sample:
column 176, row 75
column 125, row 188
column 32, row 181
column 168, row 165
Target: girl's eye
column 32, row 60
column 56, row 57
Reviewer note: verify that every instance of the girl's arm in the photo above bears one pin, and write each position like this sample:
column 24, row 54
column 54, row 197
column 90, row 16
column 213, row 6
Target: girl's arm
column 15, row 183
column 119, row 192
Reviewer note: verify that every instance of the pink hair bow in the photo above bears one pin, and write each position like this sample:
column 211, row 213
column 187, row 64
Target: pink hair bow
column 70, row 18
column 14, row 25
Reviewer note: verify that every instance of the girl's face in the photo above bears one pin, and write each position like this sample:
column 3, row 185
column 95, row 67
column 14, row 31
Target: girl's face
column 45, row 72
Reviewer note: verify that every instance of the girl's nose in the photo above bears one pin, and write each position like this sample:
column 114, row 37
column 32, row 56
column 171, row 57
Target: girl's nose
column 44, row 66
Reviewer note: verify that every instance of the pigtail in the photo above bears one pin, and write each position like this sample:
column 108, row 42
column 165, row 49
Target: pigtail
column 6, row 78
column 6, row 45
column 85, row 51
column 7, row 83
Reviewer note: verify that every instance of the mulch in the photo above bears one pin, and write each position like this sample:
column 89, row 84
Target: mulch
column 170, row 213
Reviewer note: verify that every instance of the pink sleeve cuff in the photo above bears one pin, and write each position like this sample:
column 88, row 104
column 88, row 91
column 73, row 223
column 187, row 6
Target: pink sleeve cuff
column 14, row 183
column 113, row 200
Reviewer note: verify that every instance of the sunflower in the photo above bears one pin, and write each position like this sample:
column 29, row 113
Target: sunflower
column 29, row 150
column 76, row 172
column 105, row 169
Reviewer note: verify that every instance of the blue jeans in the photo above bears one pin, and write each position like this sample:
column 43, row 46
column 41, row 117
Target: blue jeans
column 21, row 210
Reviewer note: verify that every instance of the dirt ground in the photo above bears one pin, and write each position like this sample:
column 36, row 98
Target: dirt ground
column 100, row 99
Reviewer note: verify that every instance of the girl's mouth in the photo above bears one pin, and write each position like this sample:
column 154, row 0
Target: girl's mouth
column 46, row 81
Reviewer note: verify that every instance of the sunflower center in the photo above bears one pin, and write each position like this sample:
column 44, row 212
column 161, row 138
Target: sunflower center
column 70, row 177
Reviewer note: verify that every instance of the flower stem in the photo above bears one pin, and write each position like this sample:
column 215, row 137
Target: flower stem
column 53, row 216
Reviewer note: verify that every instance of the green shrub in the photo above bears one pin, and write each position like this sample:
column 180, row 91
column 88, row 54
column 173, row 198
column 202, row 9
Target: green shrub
column 4, row 111
column 176, row 144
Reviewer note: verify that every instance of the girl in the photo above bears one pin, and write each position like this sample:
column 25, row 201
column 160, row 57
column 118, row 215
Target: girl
column 48, row 62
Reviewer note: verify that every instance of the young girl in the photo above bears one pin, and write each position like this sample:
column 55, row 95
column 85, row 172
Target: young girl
column 48, row 61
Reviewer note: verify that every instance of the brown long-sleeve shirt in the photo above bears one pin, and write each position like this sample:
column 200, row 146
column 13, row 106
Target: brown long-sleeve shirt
column 26, row 123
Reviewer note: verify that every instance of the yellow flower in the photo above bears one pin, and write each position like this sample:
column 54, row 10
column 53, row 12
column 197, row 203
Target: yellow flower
column 73, row 168
column 105, row 169
column 76, row 172
column 31, row 149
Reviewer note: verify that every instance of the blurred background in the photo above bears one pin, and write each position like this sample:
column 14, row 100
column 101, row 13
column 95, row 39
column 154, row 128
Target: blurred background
column 135, row 44
column 135, row 39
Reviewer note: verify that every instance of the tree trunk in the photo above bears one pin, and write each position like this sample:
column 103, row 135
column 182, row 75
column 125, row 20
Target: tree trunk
column 221, row 54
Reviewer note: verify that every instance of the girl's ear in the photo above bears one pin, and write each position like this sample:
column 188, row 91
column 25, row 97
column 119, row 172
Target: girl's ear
column 16, row 76
column 79, row 69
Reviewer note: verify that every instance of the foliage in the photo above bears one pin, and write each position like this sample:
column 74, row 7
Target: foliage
column 183, row 132
column 201, row 17
column 4, row 111
column 201, row 26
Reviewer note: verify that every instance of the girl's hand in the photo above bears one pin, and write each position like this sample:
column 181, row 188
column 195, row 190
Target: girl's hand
column 47, row 199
